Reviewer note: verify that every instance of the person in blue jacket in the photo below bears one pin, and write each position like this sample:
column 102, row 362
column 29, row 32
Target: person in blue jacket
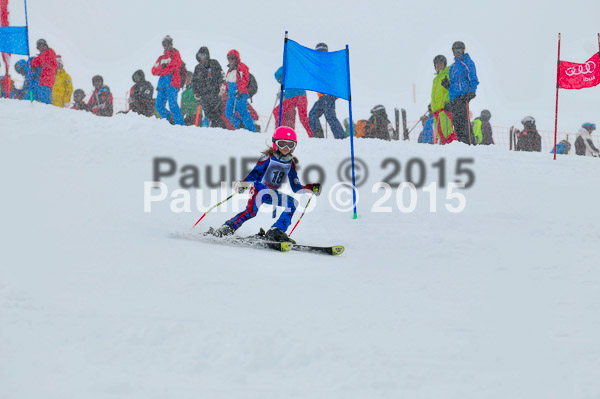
column 265, row 179
column 22, row 68
column 325, row 105
column 462, row 87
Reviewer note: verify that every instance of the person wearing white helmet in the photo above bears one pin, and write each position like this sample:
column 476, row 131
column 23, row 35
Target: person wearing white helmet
column 583, row 143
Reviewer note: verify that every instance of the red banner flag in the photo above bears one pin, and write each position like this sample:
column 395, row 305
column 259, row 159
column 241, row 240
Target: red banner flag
column 579, row 76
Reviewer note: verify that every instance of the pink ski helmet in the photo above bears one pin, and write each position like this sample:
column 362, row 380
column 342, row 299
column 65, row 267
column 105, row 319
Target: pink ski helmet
column 284, row 133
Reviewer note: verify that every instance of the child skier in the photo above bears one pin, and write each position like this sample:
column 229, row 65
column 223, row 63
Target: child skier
column 264, row 181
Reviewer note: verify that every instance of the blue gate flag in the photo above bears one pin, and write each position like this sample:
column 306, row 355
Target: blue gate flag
column 318, row 71
column 13, row 40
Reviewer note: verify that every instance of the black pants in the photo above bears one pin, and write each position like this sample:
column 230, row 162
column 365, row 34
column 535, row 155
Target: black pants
column 460, row 119
column 213, row 109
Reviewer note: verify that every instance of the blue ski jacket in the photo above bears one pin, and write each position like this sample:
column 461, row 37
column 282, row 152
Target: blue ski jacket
column 463, row 77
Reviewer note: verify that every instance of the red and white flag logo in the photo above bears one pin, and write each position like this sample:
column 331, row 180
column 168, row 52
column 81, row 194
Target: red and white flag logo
column 579, row 76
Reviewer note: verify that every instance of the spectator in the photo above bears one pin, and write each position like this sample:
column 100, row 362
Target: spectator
column 63, row 86
column 529, row 139
column 104, row 106
column 100, row 106
column 482, row 129
column 378, row 125
column 583, row 143
column 347, row 127
column 22, row 68
column 325, row 105
column 563, row 147
column 78, row 103
column 141, row 95
column 47, row 61
column 427, row 135
column 190, row 106
column 237, row 78
column 462, row 85
column 439, row 99
column 206, row 82
column 292, row 99
column 168, row 67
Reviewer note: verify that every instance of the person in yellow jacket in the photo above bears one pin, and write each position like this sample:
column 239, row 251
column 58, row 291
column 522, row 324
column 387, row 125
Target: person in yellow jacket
column 439, row 100
column 63, row 86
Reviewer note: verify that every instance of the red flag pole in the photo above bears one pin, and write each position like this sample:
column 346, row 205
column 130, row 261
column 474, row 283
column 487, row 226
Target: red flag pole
column 556, row 113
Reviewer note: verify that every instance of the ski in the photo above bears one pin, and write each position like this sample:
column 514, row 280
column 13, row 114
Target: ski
column 404, row 128
column 333, row 250
column 237, row 241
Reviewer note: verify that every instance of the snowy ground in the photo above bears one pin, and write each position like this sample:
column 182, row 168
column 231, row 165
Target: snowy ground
column 97, row 301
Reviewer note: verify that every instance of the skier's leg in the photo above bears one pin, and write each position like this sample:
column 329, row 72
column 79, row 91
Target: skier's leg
column 173, row 106
column 285, row 219
column 161, row 100
column 332, row 120
column 302, row 110
column 313, row 118
column 242, row 108
column 251, row 210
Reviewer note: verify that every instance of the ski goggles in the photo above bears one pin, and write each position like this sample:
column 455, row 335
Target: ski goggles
column 289, row 144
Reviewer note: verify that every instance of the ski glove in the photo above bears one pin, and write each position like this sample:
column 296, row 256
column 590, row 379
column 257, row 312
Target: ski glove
column 315, row 188
column 240, row 186
column 238, row 95
column 445, row 82
column 469, row 96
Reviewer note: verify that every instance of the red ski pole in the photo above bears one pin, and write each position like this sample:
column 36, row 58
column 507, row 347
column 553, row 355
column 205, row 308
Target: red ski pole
column 312, row 195
column 213, row 207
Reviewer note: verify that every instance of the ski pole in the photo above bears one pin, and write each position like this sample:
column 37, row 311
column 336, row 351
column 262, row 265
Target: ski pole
column 312, row 195
column 213, row 207
column 413, row 128
column 197, row 114
column 271, row 116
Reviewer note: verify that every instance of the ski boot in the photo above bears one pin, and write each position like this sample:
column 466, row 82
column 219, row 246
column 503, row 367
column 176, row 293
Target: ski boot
column 276, row 234
column 223, row 231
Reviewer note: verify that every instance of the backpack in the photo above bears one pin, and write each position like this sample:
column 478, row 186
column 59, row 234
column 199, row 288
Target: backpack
column 252, row 86
column 182, row 75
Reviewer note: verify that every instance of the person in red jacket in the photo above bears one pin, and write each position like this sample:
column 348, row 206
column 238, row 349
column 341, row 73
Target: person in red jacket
column 168, row 67
column 47, row 61
column 101, row 101
column 237, row 78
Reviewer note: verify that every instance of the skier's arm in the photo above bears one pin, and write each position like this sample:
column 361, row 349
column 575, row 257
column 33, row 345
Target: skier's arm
column 294, row 180
column 157, row 68
column 592, row 146
column 474, row 82
column 259, row 170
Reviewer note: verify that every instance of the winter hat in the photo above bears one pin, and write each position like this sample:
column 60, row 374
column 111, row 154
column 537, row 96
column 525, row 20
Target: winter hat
column 41, row 42
column 167, row 40
column 20, row 66
column 486, row 115
column 378, row 108
column 139, row 73
column 440, row 58
column 202, row 53
column 97, row 78
column 458, row 46
column 528, row 122
column 589, row 126
column 322, row 47
column 59, row 62
column 80, row 93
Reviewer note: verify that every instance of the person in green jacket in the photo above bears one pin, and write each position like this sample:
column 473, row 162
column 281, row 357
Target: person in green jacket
column 482, row 129
column 439, row 100
column 189, row 103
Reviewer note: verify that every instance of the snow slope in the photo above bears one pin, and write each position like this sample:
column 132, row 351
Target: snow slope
column 97, row 301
